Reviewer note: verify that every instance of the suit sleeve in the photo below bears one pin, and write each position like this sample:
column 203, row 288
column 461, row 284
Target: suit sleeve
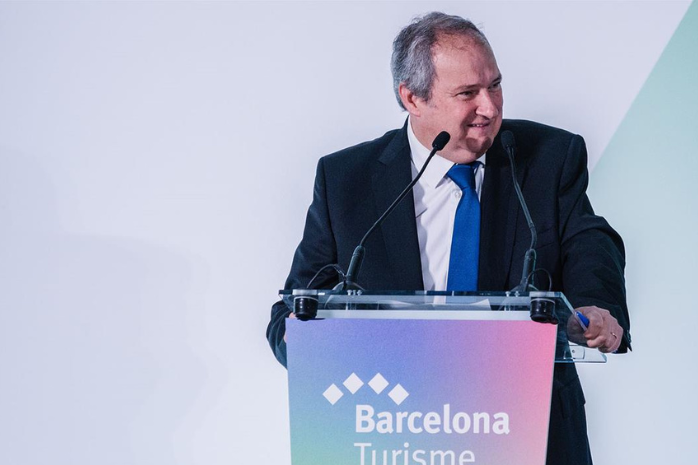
column 317, row 249
column 593, row 255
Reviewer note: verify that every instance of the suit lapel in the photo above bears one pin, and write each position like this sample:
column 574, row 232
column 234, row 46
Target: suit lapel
column 500, row 212
column 391, row 175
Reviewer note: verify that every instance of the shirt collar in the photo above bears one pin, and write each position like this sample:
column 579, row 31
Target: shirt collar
column 438, row 167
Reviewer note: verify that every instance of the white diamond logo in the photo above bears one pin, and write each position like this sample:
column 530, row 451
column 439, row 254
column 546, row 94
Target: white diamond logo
column 333, row 394
column 353, row 383
column 398, row 394
column 378, row 383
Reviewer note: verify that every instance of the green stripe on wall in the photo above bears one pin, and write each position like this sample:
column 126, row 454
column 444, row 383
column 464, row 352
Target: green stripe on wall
column 646, row 182
column 646, row 185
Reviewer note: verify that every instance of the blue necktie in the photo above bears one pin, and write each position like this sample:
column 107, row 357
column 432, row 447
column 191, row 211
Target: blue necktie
column 465, row 246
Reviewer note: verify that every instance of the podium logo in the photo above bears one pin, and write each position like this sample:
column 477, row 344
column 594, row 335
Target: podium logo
column 378, row 384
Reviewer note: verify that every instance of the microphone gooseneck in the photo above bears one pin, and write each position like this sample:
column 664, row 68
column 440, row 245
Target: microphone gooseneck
column 350, row 279
column 529, row 265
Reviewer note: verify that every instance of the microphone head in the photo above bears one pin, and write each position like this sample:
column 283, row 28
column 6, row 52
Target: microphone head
column 508, row 140
column 441, row 140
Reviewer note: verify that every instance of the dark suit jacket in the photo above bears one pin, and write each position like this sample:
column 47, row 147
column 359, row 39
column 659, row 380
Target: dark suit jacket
column 582, row 253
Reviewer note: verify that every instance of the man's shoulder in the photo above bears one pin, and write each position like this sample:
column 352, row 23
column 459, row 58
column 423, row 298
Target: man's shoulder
column 545, row 143
column 369, row 151
column 532, row 129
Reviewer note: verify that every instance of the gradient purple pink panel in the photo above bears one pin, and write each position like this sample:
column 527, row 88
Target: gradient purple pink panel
column 418, row 392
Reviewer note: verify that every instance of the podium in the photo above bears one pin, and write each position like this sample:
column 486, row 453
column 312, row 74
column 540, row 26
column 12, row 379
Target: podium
column 426, row 378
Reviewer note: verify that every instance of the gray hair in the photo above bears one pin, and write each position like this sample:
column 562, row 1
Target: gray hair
column 412, row 61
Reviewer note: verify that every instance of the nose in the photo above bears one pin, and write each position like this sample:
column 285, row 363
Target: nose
column 487, row 104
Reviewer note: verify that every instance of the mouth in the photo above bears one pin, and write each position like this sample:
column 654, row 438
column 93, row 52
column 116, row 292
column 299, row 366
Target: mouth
column 478, row 125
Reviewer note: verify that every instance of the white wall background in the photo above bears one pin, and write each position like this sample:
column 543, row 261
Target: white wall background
column 156, row 162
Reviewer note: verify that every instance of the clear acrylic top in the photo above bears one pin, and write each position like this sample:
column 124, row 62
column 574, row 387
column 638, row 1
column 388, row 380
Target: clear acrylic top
column 545, row 307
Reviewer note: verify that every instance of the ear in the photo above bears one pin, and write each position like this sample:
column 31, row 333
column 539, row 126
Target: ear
column 411, row 102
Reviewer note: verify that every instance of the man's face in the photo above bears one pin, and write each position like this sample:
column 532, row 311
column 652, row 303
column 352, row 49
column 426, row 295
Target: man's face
column 466, row 100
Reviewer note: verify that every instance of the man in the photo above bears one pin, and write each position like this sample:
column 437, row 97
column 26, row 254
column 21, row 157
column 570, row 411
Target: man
column 446, row 77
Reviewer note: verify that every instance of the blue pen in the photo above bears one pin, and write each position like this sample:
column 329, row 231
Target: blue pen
column 583, row 321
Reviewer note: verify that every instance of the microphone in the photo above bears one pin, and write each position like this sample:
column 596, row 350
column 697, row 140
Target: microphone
column 349, row 281
column 439, row 143
column 530, row 258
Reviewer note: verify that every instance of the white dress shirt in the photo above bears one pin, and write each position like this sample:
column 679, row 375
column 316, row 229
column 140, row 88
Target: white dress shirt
column 436, row 199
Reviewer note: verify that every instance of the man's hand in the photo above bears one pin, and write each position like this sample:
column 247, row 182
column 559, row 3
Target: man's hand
column 603, row 331
column 292, row 315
